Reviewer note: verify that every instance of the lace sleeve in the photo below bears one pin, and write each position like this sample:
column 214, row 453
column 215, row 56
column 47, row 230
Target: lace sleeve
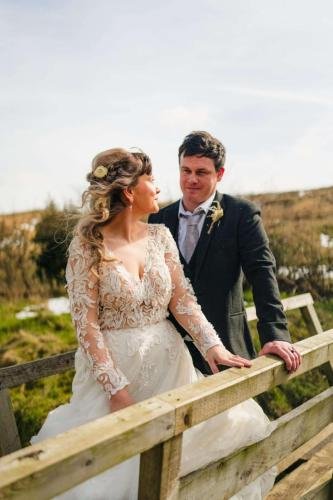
column 83, row 298
column 183, row 303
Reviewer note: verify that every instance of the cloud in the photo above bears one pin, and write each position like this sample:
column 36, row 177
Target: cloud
column 305, row 164
column 281, row 95
column 184, row 117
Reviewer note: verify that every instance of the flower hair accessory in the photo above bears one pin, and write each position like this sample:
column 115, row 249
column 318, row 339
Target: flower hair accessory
column 100, row 172
column 216, row 215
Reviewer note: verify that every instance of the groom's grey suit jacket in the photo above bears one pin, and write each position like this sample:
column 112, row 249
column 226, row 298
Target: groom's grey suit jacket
column 237, row 244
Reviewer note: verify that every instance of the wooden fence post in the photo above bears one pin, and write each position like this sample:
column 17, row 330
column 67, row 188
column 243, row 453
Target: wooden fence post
column 159, row 471
column 9, row 436
column 311, row 319
column 313, row 323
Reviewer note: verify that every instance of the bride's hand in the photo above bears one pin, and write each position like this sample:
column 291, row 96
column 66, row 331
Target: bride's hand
column 218, row 355
column 120, row 400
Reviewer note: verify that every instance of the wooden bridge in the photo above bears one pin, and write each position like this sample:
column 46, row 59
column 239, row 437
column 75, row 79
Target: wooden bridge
column 302, row 439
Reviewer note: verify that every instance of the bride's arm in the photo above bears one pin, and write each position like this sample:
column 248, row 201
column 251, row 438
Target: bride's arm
column 83, row 294
column 187, row 311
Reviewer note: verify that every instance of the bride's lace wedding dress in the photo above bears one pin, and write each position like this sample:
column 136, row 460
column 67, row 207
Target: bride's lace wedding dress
column 126, row 340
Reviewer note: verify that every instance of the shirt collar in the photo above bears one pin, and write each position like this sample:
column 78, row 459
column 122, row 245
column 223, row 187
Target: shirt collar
column 204, row 206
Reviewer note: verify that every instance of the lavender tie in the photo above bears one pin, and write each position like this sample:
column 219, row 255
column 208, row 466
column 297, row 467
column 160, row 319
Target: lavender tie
column 192, row 234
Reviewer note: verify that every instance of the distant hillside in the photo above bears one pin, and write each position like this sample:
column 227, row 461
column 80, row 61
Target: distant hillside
column 18, row 218
column 314, row 205
column 314, row 208
column 296, row 210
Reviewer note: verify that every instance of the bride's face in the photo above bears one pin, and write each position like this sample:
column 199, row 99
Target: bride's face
column 145, row 195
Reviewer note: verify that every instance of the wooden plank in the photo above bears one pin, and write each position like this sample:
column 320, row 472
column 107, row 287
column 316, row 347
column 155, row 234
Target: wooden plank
column 308, row 449
column 197, row 402
column 251, row 314
column 325, row 493
column 57, row 464
column 12, row 376
column 308, row 479
column 9, row 435
column 297, row 301
column 290, row 303
column 159, row 471
column 235, row 472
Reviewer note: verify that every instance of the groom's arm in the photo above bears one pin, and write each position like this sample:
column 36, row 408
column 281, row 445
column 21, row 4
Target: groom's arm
column 259, row 267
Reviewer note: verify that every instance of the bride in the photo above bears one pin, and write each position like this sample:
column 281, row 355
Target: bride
column 123, row 276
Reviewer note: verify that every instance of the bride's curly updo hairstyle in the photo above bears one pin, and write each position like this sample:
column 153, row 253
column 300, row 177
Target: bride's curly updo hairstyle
column 112, row 171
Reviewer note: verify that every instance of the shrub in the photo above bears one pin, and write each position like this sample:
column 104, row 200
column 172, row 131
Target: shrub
column 53, row 234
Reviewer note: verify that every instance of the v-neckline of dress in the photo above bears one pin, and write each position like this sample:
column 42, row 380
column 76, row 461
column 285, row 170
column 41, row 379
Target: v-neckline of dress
column 138, row 279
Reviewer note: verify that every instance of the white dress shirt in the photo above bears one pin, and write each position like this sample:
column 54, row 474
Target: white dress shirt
column 204, row 207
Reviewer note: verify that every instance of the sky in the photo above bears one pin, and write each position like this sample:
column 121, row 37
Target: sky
column 78, row 77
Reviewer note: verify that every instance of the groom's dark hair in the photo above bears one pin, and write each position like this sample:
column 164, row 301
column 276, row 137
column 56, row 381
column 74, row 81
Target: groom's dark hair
column 200, row 143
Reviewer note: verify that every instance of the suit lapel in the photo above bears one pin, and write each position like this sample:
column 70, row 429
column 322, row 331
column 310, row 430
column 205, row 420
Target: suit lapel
column 171, row 220
column 205, row 238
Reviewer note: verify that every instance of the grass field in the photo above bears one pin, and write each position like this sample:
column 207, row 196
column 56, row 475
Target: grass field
column 28, row 339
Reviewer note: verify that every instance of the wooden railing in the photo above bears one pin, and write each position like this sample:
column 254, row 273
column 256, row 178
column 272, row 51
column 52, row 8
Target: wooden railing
column 154, row 428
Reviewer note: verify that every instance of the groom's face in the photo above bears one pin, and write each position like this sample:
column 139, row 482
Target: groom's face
column 198, row 179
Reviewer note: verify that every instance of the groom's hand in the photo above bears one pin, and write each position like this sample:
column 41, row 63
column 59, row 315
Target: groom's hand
column 285, row 351
column 219, row 355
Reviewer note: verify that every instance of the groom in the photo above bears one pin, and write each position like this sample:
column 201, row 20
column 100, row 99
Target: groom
column 219, row 238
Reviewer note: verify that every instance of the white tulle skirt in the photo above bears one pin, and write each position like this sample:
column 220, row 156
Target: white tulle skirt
column 155, row 359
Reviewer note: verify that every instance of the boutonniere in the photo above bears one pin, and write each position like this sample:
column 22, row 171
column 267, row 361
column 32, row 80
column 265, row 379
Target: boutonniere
column 216, row 215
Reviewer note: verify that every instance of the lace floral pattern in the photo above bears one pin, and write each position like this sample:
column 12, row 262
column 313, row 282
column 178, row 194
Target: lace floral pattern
column 117, row 300
column 183, row 303
column 84, row 305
